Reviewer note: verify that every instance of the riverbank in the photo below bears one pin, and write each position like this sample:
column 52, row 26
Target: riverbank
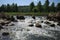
column 28, row 13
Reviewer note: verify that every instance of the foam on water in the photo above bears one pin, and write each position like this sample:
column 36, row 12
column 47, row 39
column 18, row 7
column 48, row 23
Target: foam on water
column 21, row 30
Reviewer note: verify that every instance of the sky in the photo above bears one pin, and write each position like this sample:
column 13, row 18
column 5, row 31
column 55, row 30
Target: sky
column 26, row 2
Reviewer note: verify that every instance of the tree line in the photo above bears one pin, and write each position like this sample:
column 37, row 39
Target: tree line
column 9, row 8
column 45, row 8
column 33, row 8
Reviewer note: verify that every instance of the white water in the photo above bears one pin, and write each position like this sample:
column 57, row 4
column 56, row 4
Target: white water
column 21, row 30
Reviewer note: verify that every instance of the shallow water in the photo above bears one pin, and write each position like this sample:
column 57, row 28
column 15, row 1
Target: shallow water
column 21, row 30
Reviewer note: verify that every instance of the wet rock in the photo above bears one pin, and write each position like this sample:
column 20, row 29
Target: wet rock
column 8, row 18
column 15, row 21
column 1, row 27
column 31, row 25
column 52, row 25
column 8, row 22
column 41, row 21
column 11, row 24
column 58, row 23
column 21, row 17
column 12, row 18
column 33, row 17
column 2, row 23
column 54, row 17
column 38, row 25
column 47, row 22
column 5, row 33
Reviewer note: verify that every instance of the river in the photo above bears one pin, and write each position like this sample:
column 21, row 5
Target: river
column 21, row 30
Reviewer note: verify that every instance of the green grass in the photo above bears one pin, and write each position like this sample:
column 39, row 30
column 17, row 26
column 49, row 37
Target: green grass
column 27, row 13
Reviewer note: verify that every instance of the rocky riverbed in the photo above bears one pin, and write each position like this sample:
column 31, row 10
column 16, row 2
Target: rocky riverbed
column 29, row 28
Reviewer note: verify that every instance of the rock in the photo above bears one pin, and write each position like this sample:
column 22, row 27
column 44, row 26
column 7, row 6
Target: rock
column 41, row 21
column 8, row 22
column 54, row 17
column 11, row 24
column 33, row 17
column 31, row 25
column 5, row 33
column 1, row 27
column 15, row 21
column 58, row 23
column 52, row 25
column 47, row 22
column 8, row 18
column 38, row 25
column 21, row 17
column 2, row 23
column 12, row 18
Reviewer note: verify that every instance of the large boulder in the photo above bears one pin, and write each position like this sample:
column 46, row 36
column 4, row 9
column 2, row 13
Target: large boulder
column 21, row 17
column 38, row 25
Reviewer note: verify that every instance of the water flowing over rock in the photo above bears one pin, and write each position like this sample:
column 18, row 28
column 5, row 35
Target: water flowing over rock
column 30, row 29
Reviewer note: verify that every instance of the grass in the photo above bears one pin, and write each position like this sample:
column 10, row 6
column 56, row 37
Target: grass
column 27, row 13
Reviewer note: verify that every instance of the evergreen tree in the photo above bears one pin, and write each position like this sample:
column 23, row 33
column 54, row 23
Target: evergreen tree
column 31, row 6
column 13, row 7
column 39, row 7
column 8, row 8
column 46, row 6
column 52, row 7
column 2, row 8
column 58, row 7
column 16, row 8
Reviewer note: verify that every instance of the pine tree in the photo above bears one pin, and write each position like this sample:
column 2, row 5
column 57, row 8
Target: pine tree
column 39, row 7
column 46, row 6
column 31, row 6
column 52, row 7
